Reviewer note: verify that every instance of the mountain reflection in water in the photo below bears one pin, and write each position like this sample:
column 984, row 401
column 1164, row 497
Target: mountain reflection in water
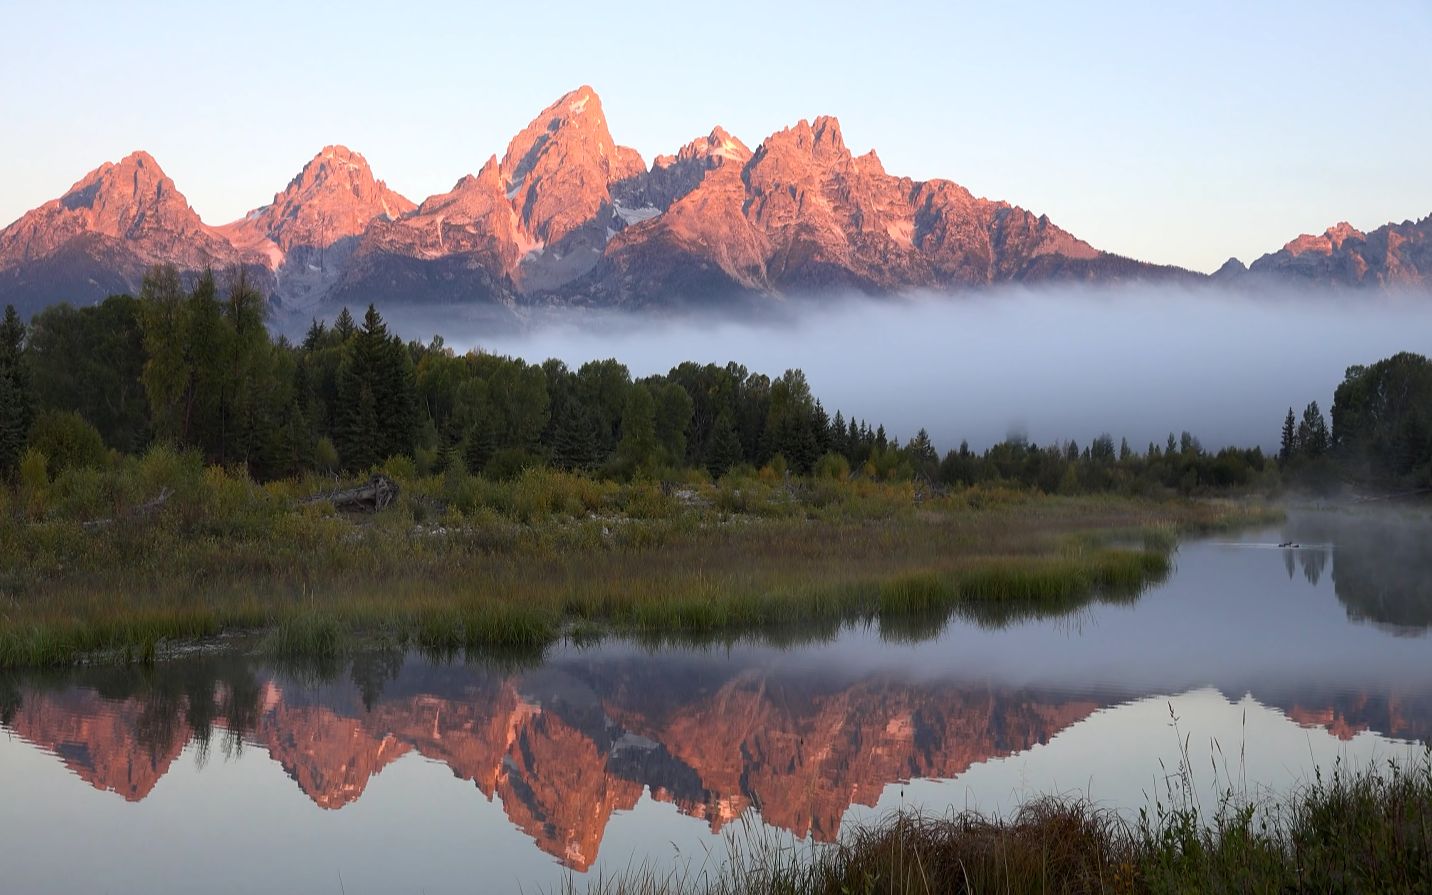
column 797, row 735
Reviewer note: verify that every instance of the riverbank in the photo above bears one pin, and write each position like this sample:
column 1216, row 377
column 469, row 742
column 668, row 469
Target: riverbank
column 105, row 571
column 1351, row 830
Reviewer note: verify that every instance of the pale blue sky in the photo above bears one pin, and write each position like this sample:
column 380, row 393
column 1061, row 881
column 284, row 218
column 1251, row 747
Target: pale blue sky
column 1179, row 133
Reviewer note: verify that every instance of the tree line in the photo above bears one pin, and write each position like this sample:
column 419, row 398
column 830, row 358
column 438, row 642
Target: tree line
column 1381, row 432
column 194, row 366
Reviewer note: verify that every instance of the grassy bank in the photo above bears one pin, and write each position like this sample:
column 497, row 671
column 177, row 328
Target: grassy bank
column 97, row 568
column 1359, row 831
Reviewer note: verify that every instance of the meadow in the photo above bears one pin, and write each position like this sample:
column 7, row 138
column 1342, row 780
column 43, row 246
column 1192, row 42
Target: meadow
column 160, row 552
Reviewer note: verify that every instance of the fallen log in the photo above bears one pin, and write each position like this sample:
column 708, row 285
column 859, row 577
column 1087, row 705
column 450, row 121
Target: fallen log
column 1397, row 496
column 371, row 496
column 142, row 510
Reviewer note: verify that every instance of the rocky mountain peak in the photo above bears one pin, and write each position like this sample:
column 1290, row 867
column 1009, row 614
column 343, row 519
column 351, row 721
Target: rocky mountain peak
column 1328, row 242
column 332, row 198
column 559, row 171
column 117, row 199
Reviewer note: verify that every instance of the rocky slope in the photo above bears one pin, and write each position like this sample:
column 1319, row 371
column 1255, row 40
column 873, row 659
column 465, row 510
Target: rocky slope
column 307, row 233
column 1393, row 255
column 567, row 216
column 103, row 234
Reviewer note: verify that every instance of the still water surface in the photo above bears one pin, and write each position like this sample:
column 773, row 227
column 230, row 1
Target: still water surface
column 399, row 773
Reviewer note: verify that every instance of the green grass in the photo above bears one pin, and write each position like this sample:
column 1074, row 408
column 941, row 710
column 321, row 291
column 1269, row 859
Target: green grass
column 1361, row 831
column 464, row 563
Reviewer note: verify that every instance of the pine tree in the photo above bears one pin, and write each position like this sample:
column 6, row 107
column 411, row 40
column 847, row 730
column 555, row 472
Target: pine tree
column 804, row 445
column 724, row 451
column 17, row 406
column 362, row 451
column 923, row 456
column 344, row 326
column 355, row 419
column 479, row 446
column 1290, row 437
column 838, row 439
column 313, row 339
column 1313, row 432
column 820, row 429
column 574, row 445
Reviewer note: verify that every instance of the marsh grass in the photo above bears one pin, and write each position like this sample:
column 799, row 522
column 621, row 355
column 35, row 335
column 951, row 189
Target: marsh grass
column 1366, row 830
column 463, row 563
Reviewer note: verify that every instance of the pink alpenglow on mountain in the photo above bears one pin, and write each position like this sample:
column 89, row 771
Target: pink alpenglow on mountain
column 567, row 216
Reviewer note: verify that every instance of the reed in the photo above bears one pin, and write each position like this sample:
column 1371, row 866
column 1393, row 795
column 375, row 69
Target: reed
column 1366, row 830
column 465, row 563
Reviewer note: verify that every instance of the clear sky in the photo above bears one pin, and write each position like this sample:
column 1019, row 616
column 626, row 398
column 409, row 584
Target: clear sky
column 1178, row 133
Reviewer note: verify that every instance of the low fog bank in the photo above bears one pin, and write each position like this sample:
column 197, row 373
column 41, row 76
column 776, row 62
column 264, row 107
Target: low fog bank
column 1053, row 364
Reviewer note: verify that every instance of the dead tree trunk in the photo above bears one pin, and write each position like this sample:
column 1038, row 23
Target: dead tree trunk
column 139, row 512
column 371, row 496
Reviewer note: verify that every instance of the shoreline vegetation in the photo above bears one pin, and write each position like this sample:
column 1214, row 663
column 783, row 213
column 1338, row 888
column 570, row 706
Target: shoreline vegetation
column 1365, row 829
column 164, row 460
column 462, row 562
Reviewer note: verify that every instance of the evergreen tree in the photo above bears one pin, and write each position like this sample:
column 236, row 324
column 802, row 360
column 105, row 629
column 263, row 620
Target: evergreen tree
column 314, row 338
column 923, row 458
column 1313, row 432
column 724, row 451
column 1101, row 449
column 820, row 429
column 344, row 326
column 804, row 444
column 638, row 449
column 359, row 444
column 575, row 441
column 376, row 417
column 17, row 407
column 479, row 446
column 1289, row 446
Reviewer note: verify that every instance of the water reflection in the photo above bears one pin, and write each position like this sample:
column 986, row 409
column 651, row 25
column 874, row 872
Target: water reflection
column 566, row 746
column 1381, row 563
column 795, row 734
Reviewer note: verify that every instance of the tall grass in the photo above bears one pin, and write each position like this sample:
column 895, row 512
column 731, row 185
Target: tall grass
column 1367, row 830
column 463, row 562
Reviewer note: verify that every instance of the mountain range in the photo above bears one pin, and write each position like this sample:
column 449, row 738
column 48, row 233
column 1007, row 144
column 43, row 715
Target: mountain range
column 569, row 217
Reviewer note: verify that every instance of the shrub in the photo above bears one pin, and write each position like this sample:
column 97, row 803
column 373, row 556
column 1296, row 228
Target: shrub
column 644, row 500
column 774, row 470
column 34, row 482
column 832, row 466
column 508, row 463
column 401, row 468
column 68, row 441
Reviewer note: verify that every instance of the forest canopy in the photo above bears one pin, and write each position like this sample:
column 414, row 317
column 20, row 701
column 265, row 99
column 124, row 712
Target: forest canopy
column 193, row 366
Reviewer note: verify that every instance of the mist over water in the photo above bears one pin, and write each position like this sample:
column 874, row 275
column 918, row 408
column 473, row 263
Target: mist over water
column 1051, row 363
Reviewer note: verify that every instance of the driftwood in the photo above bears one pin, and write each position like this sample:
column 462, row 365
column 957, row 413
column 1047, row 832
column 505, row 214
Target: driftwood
column 1397, row 496
column 374, row 494
column 140, row 511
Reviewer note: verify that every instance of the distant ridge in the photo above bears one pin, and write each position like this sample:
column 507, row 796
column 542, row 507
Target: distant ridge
column 569, row 217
